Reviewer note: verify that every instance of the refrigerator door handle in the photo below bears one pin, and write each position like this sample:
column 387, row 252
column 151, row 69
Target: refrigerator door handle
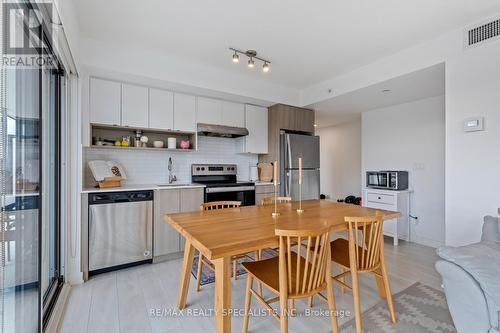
column 285, row 181
column 289, row 150
column 288, row 183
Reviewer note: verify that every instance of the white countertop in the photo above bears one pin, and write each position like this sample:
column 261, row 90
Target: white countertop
column 387, row 191
column 140, row 187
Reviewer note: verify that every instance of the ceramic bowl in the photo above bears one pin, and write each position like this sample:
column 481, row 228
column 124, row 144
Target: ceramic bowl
column 158, row 144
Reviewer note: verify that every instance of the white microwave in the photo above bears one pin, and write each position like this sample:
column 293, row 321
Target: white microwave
column 387, row 180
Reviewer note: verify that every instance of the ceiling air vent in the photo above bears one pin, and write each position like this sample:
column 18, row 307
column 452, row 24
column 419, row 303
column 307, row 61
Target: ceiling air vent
column 482, row 33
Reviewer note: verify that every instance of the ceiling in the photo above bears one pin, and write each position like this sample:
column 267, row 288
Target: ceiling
column 307, row 41
column 421, row 84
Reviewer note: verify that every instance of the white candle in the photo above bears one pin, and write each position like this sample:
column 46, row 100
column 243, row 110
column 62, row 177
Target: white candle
column 275, row 175
column 300, row 170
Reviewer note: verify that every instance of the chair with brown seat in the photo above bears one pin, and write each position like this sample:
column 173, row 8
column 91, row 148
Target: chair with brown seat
column 202, row 261
column 363, row 256
column 292, row 276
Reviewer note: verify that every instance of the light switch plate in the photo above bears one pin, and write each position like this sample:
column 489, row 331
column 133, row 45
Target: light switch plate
column 474, row 124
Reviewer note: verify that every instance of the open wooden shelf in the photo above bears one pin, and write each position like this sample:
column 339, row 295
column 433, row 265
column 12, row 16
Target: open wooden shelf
column 117, row 132
column 140, row 148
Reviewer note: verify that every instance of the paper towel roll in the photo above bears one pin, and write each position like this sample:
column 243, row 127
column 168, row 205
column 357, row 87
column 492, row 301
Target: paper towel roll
column 172, row 143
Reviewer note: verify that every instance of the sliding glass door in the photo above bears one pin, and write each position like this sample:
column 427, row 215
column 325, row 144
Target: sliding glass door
column 51, row 277
column 30, row 187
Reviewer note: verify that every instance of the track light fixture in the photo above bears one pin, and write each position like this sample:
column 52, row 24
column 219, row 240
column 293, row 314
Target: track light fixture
column 265, row 67
column 236, row 58
column 251, row 54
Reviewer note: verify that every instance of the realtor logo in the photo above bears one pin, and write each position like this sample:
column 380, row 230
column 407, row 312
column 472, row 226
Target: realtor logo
column 25, row 34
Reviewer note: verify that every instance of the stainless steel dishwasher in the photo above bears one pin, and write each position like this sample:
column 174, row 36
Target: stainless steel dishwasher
column 120, row 229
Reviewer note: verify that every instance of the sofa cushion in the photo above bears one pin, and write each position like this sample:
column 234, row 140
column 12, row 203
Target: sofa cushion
column 482, row 261
column 491, row 231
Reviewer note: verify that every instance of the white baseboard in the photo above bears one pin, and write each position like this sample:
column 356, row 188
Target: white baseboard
column 426, row 241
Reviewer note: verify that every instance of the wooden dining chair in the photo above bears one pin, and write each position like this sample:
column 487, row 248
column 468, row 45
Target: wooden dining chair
column 272, row 200
column 202, row 261
column 292, row 276
column 362, row 254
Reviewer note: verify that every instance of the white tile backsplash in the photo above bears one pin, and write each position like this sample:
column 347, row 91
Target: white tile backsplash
column 150, row 167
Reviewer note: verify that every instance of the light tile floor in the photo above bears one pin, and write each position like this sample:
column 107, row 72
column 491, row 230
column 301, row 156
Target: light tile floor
column 123, row 301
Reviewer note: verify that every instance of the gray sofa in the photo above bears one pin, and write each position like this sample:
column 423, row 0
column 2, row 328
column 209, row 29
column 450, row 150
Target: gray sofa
column 471, row 281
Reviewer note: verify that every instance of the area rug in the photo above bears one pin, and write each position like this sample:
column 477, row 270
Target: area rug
column 419, row 308
column 208, row 276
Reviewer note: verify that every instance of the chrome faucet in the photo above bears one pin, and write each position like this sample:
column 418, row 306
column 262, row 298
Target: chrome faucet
column 171, row 178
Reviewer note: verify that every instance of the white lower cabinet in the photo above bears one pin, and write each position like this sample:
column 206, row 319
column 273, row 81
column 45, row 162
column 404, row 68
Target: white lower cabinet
column 397, row 201
column 166, row 239
column 191, row 200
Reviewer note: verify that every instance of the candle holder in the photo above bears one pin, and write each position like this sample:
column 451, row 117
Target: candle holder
column 300, row 210
column 275, row 213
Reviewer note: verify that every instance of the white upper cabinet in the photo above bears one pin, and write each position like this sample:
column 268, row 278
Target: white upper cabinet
column 256, row 123
column 135, row 105
column 124, row 104
column 233, row 114
column 184, row 112
column 105, row 102
column 209, row 111
column 161, row 109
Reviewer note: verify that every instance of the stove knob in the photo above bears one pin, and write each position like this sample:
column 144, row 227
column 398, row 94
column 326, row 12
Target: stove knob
column 198, row 169
column 228, row 168
column 202, row 168
column 232, row 168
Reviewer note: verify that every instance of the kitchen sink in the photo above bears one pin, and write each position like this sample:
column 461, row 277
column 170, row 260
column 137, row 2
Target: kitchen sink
column 174, row 185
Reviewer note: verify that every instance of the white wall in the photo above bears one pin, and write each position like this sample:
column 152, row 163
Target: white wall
column 150, row 167
column 68, row 15
column 472, row 88
column 175, row 71
column 340, row 156
column 411, row 137
column 472, row 159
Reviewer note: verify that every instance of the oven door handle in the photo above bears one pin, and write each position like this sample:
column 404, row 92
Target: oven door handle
column 229, row 189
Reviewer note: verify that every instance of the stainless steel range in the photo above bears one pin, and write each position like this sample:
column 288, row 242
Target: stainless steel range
column 222, row 184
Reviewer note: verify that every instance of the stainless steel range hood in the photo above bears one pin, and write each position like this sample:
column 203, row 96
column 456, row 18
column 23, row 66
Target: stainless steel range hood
column 221, row 131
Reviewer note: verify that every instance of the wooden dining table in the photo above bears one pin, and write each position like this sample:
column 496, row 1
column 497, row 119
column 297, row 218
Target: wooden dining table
column 220, row 234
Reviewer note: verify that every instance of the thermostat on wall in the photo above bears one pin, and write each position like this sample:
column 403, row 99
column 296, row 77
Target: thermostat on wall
column 474, row 124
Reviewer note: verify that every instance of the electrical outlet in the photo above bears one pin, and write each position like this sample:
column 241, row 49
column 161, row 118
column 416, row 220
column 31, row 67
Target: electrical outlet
column 418, row 166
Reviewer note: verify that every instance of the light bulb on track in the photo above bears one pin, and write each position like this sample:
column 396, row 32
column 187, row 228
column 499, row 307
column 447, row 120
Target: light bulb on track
column 251, row 63
column 236, row 58
column 265, row 67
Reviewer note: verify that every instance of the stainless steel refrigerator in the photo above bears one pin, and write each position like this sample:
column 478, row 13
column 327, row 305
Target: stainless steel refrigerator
column 293, row 146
